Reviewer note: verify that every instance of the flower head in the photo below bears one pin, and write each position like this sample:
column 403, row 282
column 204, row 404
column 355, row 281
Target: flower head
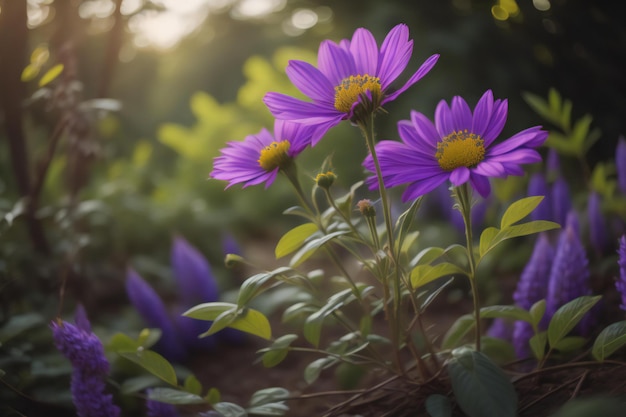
column 259, row 158
column 620, row 157
column 537, row 185
column 458, row 147
column 351, row 76
column 621, row 281
column 193, row 275
column 561, row 201
column 597, row 224
column 83, row 348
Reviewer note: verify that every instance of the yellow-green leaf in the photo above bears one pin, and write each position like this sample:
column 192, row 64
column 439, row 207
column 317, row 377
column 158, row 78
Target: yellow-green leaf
column 518, row 210
column 423, row 274
column 51, row 74
column 294, row 238
column 29, row 73
column 253, row 322
column 486, row 238
column 152, row 362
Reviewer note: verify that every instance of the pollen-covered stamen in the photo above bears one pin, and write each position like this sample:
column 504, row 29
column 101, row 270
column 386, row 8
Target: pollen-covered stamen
column 348, row 92
column 460, row 149
column 275, row 155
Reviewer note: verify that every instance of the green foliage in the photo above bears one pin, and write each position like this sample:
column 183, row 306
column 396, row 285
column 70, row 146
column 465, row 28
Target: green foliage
column 610, row 339
column 480, row 387
column 230, row 315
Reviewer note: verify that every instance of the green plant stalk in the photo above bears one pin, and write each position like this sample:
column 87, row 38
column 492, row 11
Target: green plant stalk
column 367, row 129
column 464, row 197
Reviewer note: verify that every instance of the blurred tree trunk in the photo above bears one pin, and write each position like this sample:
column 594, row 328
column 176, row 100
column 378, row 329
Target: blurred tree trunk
column 13, row 54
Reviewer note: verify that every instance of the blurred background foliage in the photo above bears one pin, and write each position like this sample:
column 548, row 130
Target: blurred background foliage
column 101, row 166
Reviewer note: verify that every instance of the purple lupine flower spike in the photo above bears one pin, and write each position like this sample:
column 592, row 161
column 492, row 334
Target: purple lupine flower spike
column 501, row 329
column 561, row 201
column 158, row 409
column 537, row 185
column 553, row 164
column 569, row 275
column 153, row 311
column 90, row 367
column 230, row 245
column 620, row 163
column 193, row 275
column 81, row 320
column 621, row 281
column 532, row 287
column 597, row 225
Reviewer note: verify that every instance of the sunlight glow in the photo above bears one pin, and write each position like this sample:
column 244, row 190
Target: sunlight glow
column 246, row 9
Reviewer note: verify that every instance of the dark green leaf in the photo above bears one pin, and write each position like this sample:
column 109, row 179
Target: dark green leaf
column 570, row 344
column 568, row 316
column 313, row 245
column 505, row 312
column 480, row 386
column 438, row 405
column 457, row 331
column 19, row 324
column 536, row 312
column 610, row 339
column 313, row 370
column 152, row 362
column 538, row 344
column 174, row 396
column 230, row 410
column 268, row 395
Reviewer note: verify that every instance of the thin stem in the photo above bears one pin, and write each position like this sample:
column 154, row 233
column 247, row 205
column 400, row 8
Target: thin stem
column 464, row 197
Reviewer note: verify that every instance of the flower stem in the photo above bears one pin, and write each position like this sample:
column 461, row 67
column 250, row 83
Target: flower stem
column 464, row 197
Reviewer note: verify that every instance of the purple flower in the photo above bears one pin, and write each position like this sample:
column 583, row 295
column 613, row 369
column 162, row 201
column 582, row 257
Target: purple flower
column 152, row 309
column 90, row 367
column 258, row 158
column 553, row 163
column 230, row 245
column 350, row 75
column 532, row 287
column 621, row 281
column 597, row 225
column 193, row 275
column 459, row 147
column 537, row 185
column 569, row 275
column 620, row 157
column 561, row 201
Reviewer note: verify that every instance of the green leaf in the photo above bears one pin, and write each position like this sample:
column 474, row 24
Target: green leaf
column 579, row 134
column 536, row 312
column 51, row 74
column 516, row 230
column 423, row 274
column 174, row 396
column 313, row 245
column 610, row 339
column 505, row 312
column 152, row 362
column 19, row 324
column 273, row 409
column 457, row 331
column 539, row 105
column 227, row 409
column 138, row 383
column 438, row 405
column 313, row 325
column 30, row 72
column 278, row 350
column 570, row 344
column 313, row 370
column 249, row 321
column 486, row 239
column 294, row 238
column 253, row 286
column 538, row 344
column 209, row 311
column 426, row 256
column 122, row 342
column 268, row 395
column 518, row 210
column 192, row 385
column 568, row 316
column 481, row 388
column 213, row 396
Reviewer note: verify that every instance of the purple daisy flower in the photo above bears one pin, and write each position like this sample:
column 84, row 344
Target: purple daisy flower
column 258, row 158
column 346, row 73
column 458, row 147
column 621, row 281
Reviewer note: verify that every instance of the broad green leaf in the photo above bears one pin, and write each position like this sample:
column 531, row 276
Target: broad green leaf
column 152, row 362
column 51, row 74
column 272, row 409
column 538, row 344
column 438, row 405
column 505, row 312
column 610, row 339
column 227, row 409
column 517, row 230
column 426, row 256
column 278, row 350
column 457, row 331
column 174, row 396
column 192, row 385
column 249, row 321
column 536, row 312
column 313, row 245
column 138, row 383
column 209, row 311
column 568, row 316
column 122, row 342
column 254, row 285
column 570, row 344
column 423, row 274
column 221, row 322
column 486, row 239
column 19, row 324
column 214, row 396
column 268, row 395
column 481, row 388
column 313, row 370
column 518, row 210
column 499, row 350
column 294, row 238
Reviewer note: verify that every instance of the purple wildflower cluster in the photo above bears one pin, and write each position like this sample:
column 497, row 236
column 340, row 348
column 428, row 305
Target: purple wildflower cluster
column 621, row 280
column 90, row 366
column 196, row 284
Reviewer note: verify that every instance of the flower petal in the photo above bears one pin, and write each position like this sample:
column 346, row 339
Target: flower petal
column 395, row 53
column 419, row 74
column 443, row 119
column 481, row 185
column 482, row 113
column 311, row 81
column 496, row 122
column 289, row 108
column 414, row 137
column 335, row 62
column 459, row 176
column 426, row 185
column 364, row 51
column 461, row 114
column 531, row 137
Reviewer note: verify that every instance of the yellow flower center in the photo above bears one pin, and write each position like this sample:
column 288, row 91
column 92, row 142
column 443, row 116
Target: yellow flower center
column 348, row 92
column 460, row 149
column 275, row 155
